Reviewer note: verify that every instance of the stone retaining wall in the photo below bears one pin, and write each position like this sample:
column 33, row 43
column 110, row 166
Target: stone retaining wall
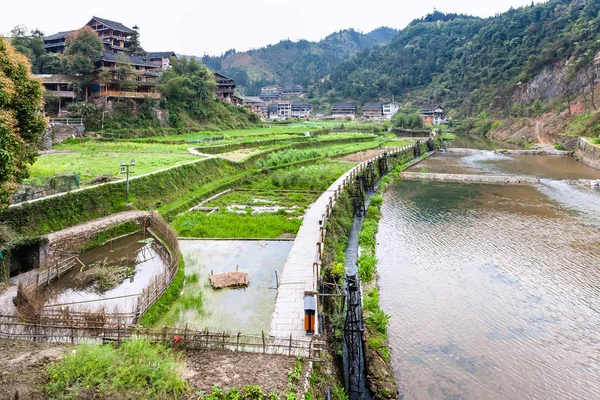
column 487, row 179
column 588, row 153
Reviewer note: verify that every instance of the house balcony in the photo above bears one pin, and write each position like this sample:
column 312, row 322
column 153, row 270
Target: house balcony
column 129, row 95
column 63, row 94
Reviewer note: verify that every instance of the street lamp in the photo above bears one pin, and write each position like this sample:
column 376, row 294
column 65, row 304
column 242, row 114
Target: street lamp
column 125, row 170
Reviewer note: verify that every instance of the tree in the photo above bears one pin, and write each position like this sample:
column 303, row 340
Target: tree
column 31, row 44
column 21, row 122
column 83, row 48
column 125, row 73
column 136, row 46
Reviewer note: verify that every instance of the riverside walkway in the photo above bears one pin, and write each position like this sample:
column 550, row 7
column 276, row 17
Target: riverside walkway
column 302, row 268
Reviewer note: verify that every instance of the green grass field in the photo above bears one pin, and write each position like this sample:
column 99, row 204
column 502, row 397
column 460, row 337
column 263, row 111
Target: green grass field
column 89, row 165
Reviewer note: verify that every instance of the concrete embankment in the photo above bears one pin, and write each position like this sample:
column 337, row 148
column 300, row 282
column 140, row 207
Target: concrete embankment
column 588, row 153
column 511, row 152
column 491, row 179
column 487, row 179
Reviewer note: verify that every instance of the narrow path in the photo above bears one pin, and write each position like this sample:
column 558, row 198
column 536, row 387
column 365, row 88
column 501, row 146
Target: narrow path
column 298, row 277
column 97, row 224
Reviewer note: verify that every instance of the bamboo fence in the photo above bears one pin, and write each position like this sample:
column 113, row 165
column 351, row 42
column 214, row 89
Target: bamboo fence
column 11, row 327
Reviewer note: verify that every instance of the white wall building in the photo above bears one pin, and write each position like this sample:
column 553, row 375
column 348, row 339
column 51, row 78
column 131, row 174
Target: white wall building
column 389, row 110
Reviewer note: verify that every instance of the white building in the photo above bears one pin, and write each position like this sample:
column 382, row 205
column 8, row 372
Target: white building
column 284, row 109
column 389, row 110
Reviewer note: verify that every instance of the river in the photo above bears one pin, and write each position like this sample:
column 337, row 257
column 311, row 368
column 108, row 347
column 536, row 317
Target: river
column 494, row 291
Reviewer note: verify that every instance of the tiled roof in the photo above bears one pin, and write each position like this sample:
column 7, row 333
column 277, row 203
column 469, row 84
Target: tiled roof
column 373, row 105
column 135, row 60
column 343, row 105
column 57, row 36
column 112, row 24
column 160, row 54
column 430, row 107
column 47, row 78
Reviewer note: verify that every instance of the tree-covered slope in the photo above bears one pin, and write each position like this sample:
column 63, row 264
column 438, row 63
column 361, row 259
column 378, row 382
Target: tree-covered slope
column 468, row 63
column 288, row 62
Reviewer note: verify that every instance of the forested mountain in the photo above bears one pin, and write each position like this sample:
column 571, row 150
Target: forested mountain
column 288, row 62
column 472, row 64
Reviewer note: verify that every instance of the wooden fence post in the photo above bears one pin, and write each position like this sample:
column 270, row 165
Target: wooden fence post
column 264, row 343
column 237, row 346
column 290, row 350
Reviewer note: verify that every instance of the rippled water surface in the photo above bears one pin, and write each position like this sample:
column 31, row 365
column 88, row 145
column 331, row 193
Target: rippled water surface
column 494, row 291
column 490, row 163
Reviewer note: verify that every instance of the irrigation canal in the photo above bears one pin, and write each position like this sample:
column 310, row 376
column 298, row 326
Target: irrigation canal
column 493, row 290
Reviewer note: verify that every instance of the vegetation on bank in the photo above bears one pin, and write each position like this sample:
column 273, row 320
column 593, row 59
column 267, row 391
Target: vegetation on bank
column 168, row 298
column 21, row 123
column 135, row 369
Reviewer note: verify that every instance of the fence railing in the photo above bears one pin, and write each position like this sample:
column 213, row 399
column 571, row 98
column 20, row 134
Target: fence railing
column 66, row 121
column 13, row 328
column 161, row 282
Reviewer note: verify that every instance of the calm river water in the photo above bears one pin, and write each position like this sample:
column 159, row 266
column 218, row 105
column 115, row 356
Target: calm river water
column 494, row 291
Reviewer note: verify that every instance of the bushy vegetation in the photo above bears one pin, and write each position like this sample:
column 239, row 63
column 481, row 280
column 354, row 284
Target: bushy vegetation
column 299, row 62
column 21, row 123
column 139, row 368
column 468, row 63
column 235, row 226
column 164, row 302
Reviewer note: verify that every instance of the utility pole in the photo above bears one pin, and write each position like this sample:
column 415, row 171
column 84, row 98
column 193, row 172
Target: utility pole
column 125, row 170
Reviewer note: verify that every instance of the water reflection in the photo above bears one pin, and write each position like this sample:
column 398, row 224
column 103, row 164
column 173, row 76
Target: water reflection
column 493, row 292
column 248, row 310
column 148, row 264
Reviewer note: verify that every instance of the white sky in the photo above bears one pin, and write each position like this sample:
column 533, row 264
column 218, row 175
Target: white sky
column 197, row 27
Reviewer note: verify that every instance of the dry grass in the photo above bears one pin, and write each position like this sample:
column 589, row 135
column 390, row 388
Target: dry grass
column 229, row 279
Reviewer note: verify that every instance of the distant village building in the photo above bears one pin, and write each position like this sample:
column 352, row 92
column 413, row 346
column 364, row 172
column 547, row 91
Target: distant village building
column 301, row 110
column 225, row 90
column 295, row 90
column 373, row 111
column 271, row 93
column 108, row 81
column 273, row 111
column 144, row 77
column 256, row 105
column 433, row 114
column 56, row 43
column 284, row 109
column 60, row 88
column 160, row 58
column 390, row 109
column 343, row 110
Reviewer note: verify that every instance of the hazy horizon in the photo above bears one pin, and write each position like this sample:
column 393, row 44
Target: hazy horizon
column 240, row 25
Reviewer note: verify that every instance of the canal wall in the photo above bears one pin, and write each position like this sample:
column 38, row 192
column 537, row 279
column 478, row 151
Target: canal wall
column 463, row 151
column 487, row 179
column 302, row 269
column 588, row 153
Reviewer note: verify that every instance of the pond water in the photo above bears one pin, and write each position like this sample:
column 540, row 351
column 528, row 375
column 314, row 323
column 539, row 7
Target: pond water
column 148, row 263
column 490, row 163
column 248, row 310
column 494, row 291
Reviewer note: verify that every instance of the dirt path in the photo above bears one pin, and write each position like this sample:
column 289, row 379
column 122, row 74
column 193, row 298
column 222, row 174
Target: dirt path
column 24, row 367
column 228, row 370
column 96, row 225
column 364, row 155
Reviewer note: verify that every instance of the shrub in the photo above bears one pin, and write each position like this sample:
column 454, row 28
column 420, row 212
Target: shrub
column 138, row 368
column 379, row 320
column 366, row 267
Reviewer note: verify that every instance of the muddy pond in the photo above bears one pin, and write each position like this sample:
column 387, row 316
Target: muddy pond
column 247, row 310
column 142, row 258
column 494, row 291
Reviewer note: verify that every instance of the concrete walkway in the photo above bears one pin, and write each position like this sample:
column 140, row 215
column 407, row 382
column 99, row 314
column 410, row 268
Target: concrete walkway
column 299, row 277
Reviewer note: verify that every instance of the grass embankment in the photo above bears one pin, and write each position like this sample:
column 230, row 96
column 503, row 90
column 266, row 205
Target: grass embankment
column 258, row 214
column 136, row 369
column 52, row 214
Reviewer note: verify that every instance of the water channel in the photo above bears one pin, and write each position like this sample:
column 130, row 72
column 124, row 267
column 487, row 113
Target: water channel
column 141, row 251
column 494, row 291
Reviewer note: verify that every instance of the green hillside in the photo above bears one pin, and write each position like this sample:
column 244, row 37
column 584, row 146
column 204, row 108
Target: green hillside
column 288, row 62
column 472, row 64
